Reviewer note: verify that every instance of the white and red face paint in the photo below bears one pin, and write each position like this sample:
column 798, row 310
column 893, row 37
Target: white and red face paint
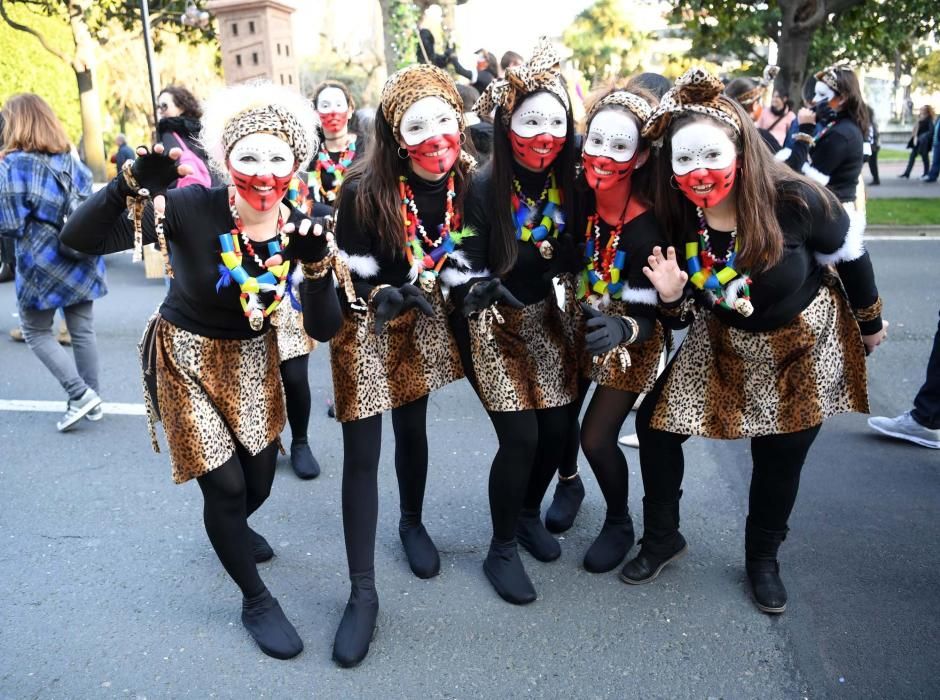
column 823, row 92
column 430, row 132
column 610, row 149
column 704, row 162
column 538, row 130
column 261, row 166
column 333, row 108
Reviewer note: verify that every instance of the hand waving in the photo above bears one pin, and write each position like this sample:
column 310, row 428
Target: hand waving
column 666, row 275
column 156, row 170
column 308, row 240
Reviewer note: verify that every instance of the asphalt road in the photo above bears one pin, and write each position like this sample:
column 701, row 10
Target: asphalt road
column 109, row 589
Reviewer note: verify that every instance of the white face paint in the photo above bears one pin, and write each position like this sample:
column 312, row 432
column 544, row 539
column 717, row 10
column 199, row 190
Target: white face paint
column 262, row 154
column 701, row 145
column 331, row 100
column 823, row 92
column 540, row 113
column 426, row 118
column 613, row 134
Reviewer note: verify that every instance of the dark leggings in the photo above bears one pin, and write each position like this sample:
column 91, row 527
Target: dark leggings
column 599, row 432
column 568, row 466
column 361, row 448
column 551, row 430
column 231, row 493
column 297, row 395
column 775, row 479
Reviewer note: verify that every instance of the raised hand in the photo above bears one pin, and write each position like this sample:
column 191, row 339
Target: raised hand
column 390, row 302
column 155, row 170
column 604, row 332
column 665, row 274
column 485, row 294
column 307, row 241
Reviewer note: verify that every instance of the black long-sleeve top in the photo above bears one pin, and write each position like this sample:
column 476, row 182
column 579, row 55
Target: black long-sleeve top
column 812, row 238
column 195, row 217
column 834, row 161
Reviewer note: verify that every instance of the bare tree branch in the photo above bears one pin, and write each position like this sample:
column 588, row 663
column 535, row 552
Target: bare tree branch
column 23, row 28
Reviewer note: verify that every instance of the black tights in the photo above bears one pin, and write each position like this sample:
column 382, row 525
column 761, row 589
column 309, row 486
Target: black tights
column 361, row 449
column 569, row 455
column 550, row 427
column 231, row 493
column 599, row 432
column 297, row 395
column 775, row 479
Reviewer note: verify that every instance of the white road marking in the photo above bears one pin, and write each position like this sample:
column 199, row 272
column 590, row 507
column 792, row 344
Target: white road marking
column 114, row 409
column 901, row 238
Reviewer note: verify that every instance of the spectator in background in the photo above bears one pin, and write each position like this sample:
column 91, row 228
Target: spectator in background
column 7, row 252
column 40, row 180
column 179, row 127
column 778, row 118
column 481, row 130
column 874, row 145
column 935, row 168
column 654, row 82
column 509, row 59
column 485, row 71
column 124, row 152
column 921, row 141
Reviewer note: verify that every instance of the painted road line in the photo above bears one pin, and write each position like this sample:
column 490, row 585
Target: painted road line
column 901, row 238
column 114, row 409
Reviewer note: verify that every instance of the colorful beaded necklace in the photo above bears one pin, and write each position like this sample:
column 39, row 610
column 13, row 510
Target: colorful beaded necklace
column 325, row 163
column 274, row 279
column 425, row 256
column 603, row 272
column 526, row 211
column 700, row 261
column 825, row 130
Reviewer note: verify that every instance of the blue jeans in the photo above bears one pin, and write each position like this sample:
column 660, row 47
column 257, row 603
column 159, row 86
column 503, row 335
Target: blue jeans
column 76, row 373
column 927, row 402
column 935, row 168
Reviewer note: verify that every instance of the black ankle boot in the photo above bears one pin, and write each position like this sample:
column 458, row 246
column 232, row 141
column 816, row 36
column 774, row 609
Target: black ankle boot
column 358, row 624
column 565, row 504
column 259, row 547
column 611, row 546
column 763, row 570
column 268, row 625
column 422, row 555
column 504, row 569
column 531, row 534
column 302, row 460
column 662, row 543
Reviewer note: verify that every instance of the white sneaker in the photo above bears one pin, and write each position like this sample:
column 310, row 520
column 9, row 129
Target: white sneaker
column 78, row 409
column 95, row 414
column 630, row 440
column 904, row 427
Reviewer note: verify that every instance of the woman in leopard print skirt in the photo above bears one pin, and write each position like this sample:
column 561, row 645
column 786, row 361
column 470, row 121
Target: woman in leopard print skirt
column 399, row 230
column 777, row 342
column 210, row 357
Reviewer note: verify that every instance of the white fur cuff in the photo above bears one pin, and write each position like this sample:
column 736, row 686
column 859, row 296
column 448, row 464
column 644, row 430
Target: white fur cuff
column 451, row 277
column 815, row 175
column 363, row 266
column 783, row 154
column 639, row 296
column 853, row 247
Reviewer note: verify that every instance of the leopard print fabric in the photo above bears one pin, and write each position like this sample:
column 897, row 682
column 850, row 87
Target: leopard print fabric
column 696, row 90
column 212, row 392
column 727, row 383
column 525, row 362
column 414, row 355
column 292, row 339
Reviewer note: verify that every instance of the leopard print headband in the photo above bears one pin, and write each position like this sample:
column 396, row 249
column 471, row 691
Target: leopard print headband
column 748, row 98
column 696, row 91
column 539, row 73
column 413, row 83
column 634, row 103
column 270, row 119
column 830, row 76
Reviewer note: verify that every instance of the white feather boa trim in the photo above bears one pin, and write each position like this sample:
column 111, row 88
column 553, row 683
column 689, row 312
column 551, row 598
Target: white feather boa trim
column 853, row 247
column 364, row 266
column 639, row 296
column 815, row 175
column 783, row 154
column 451, row 277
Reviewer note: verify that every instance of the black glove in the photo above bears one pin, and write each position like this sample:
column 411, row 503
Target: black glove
column 155, row 172
column 824, row 113
column 604, row 332
column 392, row 301
column 485, row 294
column 304, row 243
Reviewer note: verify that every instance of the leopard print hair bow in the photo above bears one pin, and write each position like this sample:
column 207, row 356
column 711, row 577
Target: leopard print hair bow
column 272, row 119
column 539, row 73
column 749, row 97
column 636, row 104
column 696, row 91
column 830, row 76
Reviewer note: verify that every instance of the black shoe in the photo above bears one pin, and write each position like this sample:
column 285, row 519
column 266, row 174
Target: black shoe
column 422, row 555
column 905, row 176
column 302, row 460
column 647, row 565
column 504, row 569
column 259, row 547
column 6, row 272
column 565, row 505
column 611, row 546
column 763, row 570
column 875, row 183
column 662, row 542
column 358, row 624
column 531, row 534
column 270, row 628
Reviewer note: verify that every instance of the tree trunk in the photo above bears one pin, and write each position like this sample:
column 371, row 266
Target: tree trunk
column 84, row 66
column 391, row 59
column 793, row 52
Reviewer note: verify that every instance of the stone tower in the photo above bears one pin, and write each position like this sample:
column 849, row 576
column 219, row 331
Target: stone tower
column 257, row 40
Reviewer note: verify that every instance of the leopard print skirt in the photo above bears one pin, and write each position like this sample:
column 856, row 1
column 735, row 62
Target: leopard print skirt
column 640, row 376
column 210, row 393
column 523, row 358
column 727, row 383
column 415, row 355
column 292, row 339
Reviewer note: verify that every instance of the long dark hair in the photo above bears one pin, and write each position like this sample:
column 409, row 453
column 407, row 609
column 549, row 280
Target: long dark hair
column 503, row 251
column 378, row 203
column 854, row 105
column 185, row 100
column 761, row 184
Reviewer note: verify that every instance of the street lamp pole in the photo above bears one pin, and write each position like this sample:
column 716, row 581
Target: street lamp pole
column 148, row 48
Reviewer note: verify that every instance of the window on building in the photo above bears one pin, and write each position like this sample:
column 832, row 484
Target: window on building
column 251, row 27
column 290, row 79
column 238, row 60
column 278, row 49
column 254, row 58
column 287, row 49
column 234, row 29
column 282, row 78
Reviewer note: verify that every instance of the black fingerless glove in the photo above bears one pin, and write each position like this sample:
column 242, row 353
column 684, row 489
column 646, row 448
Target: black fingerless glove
column 155, row 172
column 309, row 247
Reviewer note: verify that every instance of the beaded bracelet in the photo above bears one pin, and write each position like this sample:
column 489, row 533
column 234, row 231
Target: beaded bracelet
column 634, row 329
column 319, row 269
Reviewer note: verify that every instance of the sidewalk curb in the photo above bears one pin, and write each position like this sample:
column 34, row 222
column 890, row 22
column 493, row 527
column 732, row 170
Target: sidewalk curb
column 889, row 230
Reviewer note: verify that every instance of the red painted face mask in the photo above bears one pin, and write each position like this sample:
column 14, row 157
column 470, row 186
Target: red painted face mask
column 536, row 152
column 436, row 154
column 262, row 192
column 705, row 188
column 334, row 121
column 613, row 173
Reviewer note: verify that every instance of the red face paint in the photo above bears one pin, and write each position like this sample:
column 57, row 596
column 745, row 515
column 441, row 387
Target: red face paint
column 721, row 182
column 264, row 200
column 333, row 121
column 617, row 172
column 536, row 152
column 445, row 149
